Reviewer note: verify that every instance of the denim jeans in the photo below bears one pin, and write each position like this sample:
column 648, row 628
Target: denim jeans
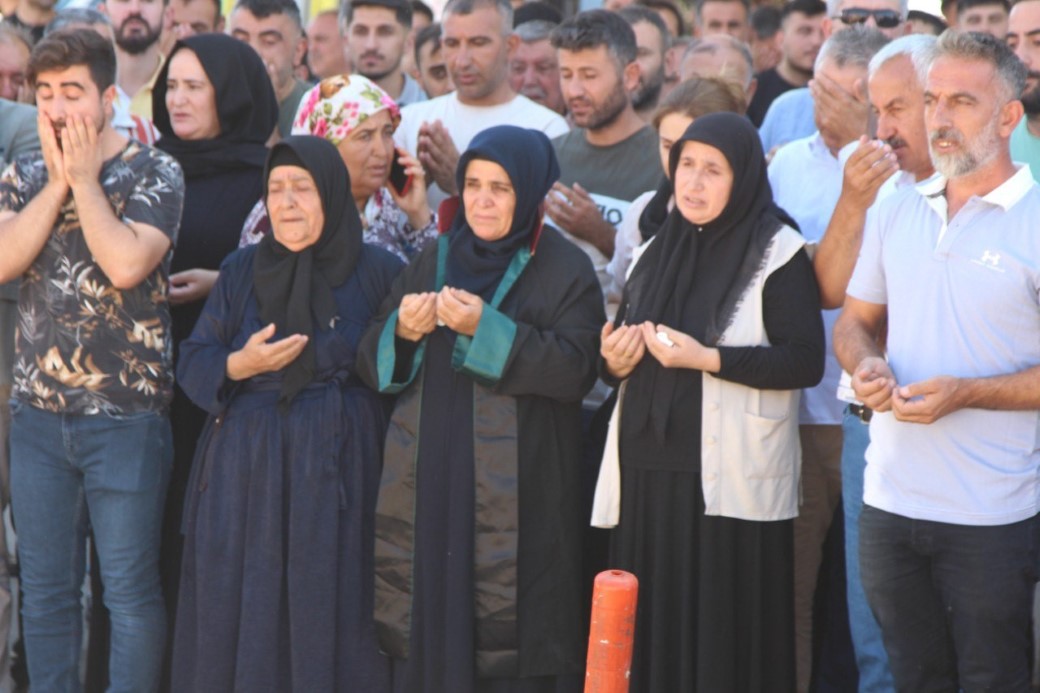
column 871, row 660
column 954, row 601
column 67, row 470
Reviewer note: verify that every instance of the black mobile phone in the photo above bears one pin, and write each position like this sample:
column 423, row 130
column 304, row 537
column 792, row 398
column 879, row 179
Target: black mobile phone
column 401, row 181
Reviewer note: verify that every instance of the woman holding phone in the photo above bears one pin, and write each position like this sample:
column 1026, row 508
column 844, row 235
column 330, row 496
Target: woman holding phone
column 359, row 118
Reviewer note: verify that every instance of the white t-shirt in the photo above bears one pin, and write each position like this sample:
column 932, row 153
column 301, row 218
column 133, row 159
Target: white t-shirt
column 464, row 122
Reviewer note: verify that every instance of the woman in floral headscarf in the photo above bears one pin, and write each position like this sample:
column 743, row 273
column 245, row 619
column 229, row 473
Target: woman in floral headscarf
column 359, row 118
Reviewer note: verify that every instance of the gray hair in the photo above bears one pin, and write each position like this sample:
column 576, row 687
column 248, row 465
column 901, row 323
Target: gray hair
column 971, row 45
column 833, row 7
column 711, row 44
column 76, row 16
column 917, row 47
column 535, row 30
column 464, row 7
column 853, row 47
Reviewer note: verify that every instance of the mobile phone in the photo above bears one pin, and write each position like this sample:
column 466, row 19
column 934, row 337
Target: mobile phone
column 401, row 181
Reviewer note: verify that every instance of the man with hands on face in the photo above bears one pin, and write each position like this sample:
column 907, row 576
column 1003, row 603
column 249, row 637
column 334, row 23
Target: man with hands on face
column 89, row 226
column 948, row 529
column 843, row 110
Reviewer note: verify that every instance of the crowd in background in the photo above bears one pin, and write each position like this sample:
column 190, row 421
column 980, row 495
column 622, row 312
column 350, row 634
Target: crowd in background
column 341, row 353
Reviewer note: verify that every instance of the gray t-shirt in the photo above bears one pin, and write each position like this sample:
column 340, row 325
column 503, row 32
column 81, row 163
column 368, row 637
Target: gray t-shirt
column 613, row 175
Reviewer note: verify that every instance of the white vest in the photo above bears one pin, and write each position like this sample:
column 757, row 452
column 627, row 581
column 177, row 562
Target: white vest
column 750, row 450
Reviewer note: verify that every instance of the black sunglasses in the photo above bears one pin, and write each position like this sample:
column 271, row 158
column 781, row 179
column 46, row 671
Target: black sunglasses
column 885, row 19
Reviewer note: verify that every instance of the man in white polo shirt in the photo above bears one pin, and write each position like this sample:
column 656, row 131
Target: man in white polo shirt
column 948, row 533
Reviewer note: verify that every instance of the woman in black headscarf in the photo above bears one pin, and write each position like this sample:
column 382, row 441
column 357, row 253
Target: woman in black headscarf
column 718, row 329
column 490, row 338
column 276, row 586
column 214, row 106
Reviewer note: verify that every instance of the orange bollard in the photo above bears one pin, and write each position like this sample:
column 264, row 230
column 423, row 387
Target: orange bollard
column 609, row 662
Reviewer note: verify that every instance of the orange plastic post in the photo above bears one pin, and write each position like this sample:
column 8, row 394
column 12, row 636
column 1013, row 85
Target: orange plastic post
column 609, row 662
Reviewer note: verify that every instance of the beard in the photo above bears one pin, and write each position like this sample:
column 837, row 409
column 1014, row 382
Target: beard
column 1031, row 98
column 971, row 158
column 607, row 112
column 648, row 91
column 377, row 74
column 135, row 43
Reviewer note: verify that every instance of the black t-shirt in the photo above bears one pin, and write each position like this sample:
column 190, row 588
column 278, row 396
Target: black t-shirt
column 83, row 346
column 770, row 86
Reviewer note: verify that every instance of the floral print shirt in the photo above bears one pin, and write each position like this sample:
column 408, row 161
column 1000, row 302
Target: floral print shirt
column 386, row 225
column 83, row 346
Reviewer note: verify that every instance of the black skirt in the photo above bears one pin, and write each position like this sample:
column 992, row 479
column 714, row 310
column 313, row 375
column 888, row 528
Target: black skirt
column 716, row 594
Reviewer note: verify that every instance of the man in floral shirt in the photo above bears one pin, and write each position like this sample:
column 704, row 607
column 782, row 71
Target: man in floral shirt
column 88, row 224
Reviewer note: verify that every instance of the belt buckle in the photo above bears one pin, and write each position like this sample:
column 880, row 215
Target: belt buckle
column 862, row 412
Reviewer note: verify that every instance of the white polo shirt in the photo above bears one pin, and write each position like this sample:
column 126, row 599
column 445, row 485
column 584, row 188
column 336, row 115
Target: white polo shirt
column 963, row 299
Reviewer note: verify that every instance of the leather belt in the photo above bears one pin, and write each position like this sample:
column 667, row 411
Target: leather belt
column 863, row 412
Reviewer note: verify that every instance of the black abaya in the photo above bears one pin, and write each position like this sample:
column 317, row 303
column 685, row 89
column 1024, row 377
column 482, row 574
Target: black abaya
column 716, row 594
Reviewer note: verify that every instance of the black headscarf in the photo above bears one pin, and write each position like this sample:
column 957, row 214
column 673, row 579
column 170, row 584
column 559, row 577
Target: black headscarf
column 246, row 107
column 692, row 277
column 528, row 158
column 294, row 289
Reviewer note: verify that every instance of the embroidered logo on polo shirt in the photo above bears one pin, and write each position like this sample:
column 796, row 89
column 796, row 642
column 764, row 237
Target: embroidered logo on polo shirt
column 990, row 260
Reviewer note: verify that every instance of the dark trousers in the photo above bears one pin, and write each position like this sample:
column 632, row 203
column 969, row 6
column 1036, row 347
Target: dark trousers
column 953, row 601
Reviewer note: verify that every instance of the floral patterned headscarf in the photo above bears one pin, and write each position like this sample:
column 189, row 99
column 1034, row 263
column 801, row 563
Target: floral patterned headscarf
column 335, row 106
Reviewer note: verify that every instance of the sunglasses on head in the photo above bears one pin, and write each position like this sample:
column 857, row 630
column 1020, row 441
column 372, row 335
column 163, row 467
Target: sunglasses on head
column 885, row 19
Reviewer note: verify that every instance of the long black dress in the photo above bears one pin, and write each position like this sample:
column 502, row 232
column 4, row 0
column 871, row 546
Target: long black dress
column 445, row 640
column 278, row 535
column 716, row 594
column 223, row 180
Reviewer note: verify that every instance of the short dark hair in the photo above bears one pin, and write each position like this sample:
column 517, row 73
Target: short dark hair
column 262, row 9
column 536, row 11
column 430, row 32
column 594, row 28
column 669, row 7
column 963, row 5
column 67, row 48
column 810, row 8
column 937, row 24
column 634, row 14
column 420, row 7
column 700, row 4
column 765, row 21
column 402, row 9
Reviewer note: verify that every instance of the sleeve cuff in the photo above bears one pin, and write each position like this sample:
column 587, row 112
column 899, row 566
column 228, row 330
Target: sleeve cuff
column 386, row 359
column 484, row 356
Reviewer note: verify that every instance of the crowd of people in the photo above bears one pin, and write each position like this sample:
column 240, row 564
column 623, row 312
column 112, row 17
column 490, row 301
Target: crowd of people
column 342, row 355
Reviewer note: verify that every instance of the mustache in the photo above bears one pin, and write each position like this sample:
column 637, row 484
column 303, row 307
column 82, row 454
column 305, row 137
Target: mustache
column 533, row 90
column 134, row 18
column 950, row 134
column 371, row 54
column 895, row 141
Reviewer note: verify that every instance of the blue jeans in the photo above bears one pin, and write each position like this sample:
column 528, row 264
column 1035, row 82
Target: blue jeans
column 67, row 470
column 954, row 601
column 871, row 660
